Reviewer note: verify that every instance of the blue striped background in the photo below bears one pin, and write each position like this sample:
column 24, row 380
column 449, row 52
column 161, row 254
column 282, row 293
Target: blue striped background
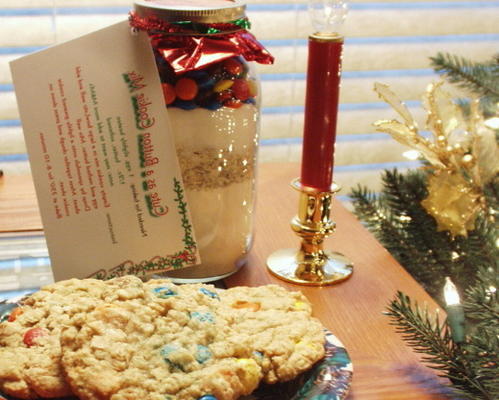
column 47, row 11
column 44, row 11
column 8, row 87
column 24, row 262
column 350, row 41
column 34, row 262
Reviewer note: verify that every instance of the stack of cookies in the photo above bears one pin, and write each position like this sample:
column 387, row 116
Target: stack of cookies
column 124, row 339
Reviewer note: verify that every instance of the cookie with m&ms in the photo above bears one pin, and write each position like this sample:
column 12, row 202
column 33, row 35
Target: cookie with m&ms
column 178, row 346
column 123, row 338
column 30, row 352
column 276, row 324
column 284, row 337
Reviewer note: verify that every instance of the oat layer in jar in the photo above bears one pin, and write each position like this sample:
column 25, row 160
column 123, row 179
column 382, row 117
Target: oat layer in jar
column 204, row 52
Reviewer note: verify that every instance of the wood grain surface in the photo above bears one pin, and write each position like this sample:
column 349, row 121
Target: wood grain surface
column 18, row 205
column 384, row 367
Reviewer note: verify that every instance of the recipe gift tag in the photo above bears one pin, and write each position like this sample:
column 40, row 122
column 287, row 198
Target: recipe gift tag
column 103, row 158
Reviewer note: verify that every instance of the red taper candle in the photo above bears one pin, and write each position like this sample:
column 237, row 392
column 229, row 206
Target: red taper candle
column 321, row 109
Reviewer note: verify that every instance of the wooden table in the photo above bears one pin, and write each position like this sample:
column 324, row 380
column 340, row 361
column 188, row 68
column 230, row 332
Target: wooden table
column 384, row 367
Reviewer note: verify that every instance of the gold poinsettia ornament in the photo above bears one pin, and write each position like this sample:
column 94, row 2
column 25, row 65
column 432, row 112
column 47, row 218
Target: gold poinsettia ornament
column 463, row 154
column 452, row 202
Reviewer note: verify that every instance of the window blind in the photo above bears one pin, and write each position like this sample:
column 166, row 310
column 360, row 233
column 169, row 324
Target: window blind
column 389, row 42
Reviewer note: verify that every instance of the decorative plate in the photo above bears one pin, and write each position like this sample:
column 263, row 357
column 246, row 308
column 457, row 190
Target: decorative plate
column 329, row 379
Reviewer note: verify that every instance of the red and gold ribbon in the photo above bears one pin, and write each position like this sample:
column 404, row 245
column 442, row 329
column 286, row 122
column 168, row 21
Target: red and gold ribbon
column 189, row 46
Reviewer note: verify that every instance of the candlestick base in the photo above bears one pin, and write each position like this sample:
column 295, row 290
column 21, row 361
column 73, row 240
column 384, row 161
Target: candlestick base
column 311, row 264
column 295, row 267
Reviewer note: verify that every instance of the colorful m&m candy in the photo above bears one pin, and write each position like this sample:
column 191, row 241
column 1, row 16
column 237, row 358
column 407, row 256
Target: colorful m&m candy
column 31, row 336
column 186, row 89
column 224, row 84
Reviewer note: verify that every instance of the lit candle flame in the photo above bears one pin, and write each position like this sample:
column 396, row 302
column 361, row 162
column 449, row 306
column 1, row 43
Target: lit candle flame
column 450, row 293
column 328, row 15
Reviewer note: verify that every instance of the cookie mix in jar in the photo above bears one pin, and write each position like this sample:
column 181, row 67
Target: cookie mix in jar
column 203, row 52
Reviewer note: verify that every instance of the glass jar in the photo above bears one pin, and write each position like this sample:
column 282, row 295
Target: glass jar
column 212, row 95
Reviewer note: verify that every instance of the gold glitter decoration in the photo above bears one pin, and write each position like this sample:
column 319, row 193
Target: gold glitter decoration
column 451, row 202
column 463, row 153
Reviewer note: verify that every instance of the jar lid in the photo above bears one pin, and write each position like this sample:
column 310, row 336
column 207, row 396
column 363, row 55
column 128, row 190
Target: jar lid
column 203, row 11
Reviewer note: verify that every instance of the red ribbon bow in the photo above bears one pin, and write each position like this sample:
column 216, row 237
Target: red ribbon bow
column 190, row 51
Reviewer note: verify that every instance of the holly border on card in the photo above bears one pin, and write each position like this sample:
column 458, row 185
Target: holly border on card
column 185, row 257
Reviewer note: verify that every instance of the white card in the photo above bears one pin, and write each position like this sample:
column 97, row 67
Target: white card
column 103, row 158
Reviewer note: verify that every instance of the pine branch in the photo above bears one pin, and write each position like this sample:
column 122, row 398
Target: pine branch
column 480, row 351
column 481, row 79
column 384, row 224
column 371, row 211
column 398, row 220
column 491, row 191
column 482, row 315
column 482, row 304
column 409, row 232
column 404, row 227
column 426, row 335
column 403, row 194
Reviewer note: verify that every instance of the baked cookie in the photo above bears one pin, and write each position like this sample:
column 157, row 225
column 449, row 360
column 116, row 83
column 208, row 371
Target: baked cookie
column 123, row 339
column 178, row 346
column 285, row 339
column 277, row 324
column 29, row 340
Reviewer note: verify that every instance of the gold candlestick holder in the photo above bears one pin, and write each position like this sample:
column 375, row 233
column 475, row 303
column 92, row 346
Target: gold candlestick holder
column 311, row 264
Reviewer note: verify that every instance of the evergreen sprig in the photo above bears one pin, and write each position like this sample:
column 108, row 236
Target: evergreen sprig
column 421, row 331
column 471, row 366
column 482, row 306
column 397, row 218
column 478, row 78
column 399, row 221
column 392, row 216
